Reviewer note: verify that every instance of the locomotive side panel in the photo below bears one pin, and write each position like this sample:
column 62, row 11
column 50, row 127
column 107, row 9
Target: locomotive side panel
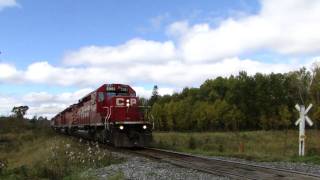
column 69, row 117
column 59, row 120
column 63, row 119
column 75, row 121
column 95, row 117
column 83, row 112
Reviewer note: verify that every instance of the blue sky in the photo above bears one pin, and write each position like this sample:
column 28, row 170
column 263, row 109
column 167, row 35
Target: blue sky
column 52, row 52
column 38, row 29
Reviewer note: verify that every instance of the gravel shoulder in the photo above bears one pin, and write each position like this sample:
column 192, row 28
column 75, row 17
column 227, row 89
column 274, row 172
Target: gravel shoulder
column 136, row 167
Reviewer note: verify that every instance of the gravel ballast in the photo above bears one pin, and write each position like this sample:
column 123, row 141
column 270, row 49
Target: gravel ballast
column 136, row 167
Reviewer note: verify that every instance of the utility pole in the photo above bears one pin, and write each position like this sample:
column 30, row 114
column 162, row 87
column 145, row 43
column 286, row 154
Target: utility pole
column 301, row 121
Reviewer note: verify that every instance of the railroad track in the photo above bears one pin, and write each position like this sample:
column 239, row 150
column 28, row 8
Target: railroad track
column 219, row 167
column 231, row 169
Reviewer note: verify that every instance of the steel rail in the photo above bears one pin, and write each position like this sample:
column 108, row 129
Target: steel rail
column 220, row 167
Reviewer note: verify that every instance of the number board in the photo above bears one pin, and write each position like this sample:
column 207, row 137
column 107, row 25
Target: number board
column 123, row 89
column 110, row 88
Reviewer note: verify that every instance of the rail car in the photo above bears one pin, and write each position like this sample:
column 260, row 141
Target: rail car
column 110, row 114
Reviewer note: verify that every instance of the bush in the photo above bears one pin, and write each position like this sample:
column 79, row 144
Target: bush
column 3, row 165
column 221, row 148
column 192, row 143
column 313, row 151
column 259, row 145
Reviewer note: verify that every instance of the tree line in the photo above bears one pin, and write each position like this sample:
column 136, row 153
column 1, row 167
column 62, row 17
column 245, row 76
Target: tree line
column 239, row 102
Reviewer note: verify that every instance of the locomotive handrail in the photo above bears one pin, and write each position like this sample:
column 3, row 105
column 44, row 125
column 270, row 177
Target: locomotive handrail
column 106, row 119
column 110, row 113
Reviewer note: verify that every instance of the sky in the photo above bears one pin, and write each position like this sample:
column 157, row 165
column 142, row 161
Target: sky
column 55, row 52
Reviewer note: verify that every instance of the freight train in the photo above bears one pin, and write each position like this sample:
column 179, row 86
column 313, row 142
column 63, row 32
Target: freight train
column 110, row 114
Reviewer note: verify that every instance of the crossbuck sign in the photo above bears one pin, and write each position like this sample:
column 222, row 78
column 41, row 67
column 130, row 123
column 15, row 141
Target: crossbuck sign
column 301, row 121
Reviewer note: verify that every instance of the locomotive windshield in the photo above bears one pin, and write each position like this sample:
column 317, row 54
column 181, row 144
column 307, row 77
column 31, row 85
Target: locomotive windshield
column 118, row 91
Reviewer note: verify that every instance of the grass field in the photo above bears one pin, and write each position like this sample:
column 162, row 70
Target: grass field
column 39, row 153
column 251, row 145
column 33, row 151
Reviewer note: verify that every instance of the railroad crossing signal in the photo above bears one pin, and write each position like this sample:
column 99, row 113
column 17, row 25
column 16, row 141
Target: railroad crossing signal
column 302, row 123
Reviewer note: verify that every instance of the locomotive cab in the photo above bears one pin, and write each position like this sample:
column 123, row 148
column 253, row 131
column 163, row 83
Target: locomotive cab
column 126, row 124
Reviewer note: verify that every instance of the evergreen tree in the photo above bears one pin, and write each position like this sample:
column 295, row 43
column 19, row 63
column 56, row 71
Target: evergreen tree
column 155, row 95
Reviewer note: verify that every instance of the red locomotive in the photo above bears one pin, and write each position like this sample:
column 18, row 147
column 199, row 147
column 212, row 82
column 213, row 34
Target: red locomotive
column 109, row 114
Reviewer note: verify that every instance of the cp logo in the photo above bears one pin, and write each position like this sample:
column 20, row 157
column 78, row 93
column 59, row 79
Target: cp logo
column 122, row 102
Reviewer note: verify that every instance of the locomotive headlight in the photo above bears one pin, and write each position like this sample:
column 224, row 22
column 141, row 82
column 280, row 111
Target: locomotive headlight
column 121, row 127
column 144, row 126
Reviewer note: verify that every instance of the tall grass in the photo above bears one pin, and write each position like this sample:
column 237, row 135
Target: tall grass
column 39, row 153
column 255, row 145
column 54, row 158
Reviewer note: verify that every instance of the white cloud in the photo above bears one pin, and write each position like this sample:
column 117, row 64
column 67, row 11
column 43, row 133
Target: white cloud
column 7, row 102
column 8, row 72
column 36, row 97
column 46, row 110
column 7, row 3
column 146, row 93
column 175, row 74
column 133, row 51
column 45, row 97
column 41, row 103
column 285, row 27
column 178, row 28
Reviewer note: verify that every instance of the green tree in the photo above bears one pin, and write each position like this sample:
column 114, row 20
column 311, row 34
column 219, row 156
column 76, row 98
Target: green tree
column 19, row 111
column 155, row 95
column 285, row 117
column 315, row 85
column 158, row 113
column 203, row 117
column 241, row 102
column 142, row 101
column 316, row 116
